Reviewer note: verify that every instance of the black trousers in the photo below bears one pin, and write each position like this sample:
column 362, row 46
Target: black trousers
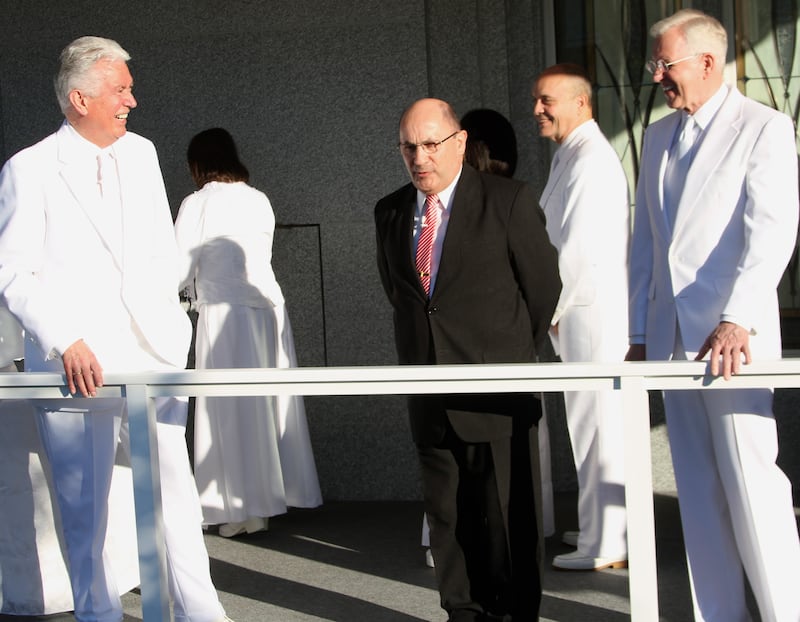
column 481, row 507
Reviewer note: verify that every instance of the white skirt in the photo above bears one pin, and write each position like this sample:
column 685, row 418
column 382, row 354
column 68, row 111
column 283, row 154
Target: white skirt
column 252, row 455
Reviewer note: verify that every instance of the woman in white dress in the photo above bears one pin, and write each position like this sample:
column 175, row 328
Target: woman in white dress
column 252, row 455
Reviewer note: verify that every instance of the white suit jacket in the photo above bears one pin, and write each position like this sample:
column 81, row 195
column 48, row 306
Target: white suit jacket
column 588, row 221
column 734, row 231
column 66, row 276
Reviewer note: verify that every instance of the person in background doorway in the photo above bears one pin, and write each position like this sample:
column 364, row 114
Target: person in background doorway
column 492, row 148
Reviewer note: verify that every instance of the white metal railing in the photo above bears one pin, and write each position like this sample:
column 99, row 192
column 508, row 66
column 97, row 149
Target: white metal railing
column 633, row 379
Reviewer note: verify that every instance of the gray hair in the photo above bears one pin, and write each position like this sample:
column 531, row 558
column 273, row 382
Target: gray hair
column 702, row 32
column 77, row 62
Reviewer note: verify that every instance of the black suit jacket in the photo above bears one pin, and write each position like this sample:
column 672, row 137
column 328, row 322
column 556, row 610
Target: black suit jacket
column 494, row 296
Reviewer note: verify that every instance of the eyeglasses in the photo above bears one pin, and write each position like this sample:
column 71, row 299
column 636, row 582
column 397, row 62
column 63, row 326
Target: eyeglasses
column 654, row 66
column 410, row 149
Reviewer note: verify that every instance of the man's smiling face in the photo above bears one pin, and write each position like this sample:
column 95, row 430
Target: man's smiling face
column 107, row 104
column 683, row 83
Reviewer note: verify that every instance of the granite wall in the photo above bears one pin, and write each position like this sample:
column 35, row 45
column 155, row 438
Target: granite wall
column 312, row 91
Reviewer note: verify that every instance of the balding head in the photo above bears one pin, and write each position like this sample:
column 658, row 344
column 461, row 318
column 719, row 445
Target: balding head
column 431, row 108
column 562, row 100
column 432, row 144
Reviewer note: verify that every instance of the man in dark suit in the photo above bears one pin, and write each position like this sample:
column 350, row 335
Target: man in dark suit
column 465, row 260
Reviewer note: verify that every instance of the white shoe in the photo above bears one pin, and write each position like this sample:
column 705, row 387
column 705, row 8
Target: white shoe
column 251, row 525
column 579, row 561
column 429, row 558
column 256, row 524
column 228, row 530
column 570, row 538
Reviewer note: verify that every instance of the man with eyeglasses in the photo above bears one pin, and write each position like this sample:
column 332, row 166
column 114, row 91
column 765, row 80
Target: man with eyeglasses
column 715, row 225
column 466, row 263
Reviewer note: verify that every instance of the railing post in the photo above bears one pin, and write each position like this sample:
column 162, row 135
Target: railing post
column 642, row 572
column 147, row 500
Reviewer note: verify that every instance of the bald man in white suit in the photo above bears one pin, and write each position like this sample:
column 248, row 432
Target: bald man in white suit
column 710, row 244
column 588, row 221
column 88, row 265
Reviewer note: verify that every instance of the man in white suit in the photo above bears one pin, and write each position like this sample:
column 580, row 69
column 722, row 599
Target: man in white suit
column 588, row 221
column 711, row 240
column 88, row 264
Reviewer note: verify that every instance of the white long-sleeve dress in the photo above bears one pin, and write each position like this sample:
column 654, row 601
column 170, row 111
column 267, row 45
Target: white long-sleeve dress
column 253, row 455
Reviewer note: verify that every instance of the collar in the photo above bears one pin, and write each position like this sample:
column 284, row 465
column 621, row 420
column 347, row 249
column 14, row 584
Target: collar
column 577, row 133
column 705, row 114
column 445, row 196
column 83, row 148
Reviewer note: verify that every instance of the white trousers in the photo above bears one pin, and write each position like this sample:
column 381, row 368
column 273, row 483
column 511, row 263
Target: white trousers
column 81, row 437
column 594, row 420
column 736, row 504
column 597, row 333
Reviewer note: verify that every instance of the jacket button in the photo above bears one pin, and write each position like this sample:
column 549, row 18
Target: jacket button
column 432, row 310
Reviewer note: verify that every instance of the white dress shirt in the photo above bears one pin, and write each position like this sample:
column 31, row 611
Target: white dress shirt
column 445, row 205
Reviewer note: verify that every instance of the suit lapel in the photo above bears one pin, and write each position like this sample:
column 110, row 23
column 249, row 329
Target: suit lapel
column 78, row 174
column 80, row 177
column 133, row 224
column 660, row 144
column 465, row 196
column 403, row 229
column 560, row 161
column 711, row 151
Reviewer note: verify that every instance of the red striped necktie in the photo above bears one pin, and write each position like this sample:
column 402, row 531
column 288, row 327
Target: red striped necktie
column 429, row 225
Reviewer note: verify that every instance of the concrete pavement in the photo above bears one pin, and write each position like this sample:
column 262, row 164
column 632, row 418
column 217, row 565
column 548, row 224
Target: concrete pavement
column 361, row 561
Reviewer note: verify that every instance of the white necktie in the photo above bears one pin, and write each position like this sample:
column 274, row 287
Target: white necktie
column 687, row 137
column 678, row 167
column 108, row 179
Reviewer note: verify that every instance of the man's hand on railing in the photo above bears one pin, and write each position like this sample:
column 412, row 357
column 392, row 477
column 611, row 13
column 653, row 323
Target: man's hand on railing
column 83, row 372
column 728, row 341
column 636, row 352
